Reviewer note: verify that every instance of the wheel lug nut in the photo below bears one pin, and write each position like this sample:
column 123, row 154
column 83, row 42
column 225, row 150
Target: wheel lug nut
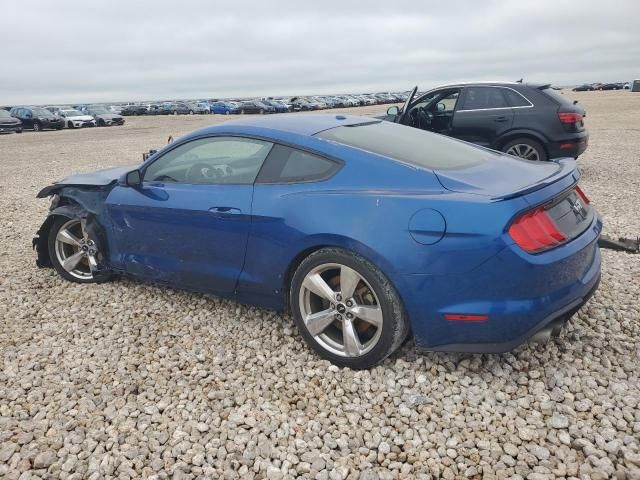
column 333, row 305
column 349, row 316
column 339, row 298
column 338, row 316
column 349, row 303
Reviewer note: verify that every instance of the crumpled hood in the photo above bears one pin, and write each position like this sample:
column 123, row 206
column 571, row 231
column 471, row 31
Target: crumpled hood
column 100, row 178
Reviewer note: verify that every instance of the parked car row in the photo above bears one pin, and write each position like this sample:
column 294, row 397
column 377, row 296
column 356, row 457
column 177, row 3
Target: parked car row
column 588, row 87
column 17, row 119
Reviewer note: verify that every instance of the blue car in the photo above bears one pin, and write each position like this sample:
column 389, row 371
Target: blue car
column 224, row 108
column 366, row 231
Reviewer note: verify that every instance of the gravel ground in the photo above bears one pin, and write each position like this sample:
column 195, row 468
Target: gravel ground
column 127, row 380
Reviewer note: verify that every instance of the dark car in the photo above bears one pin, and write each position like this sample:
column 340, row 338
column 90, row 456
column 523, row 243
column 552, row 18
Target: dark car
column 176, row 108
column 37, row 118
column 255, row 106
column 279, row 107
column 530, row 121
column 611, row 86
column 129, row 110
column 302, row 105
column 463, row 248
column 104, row 117
column 8, row 123
column 583, row 88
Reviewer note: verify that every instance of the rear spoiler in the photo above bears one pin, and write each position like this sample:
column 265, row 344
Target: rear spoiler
column 568, row 166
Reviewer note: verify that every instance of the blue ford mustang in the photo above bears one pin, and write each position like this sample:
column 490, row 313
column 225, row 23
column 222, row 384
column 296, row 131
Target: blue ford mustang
column 367, row 231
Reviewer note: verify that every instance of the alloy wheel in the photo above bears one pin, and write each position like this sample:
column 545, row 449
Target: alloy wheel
column 340, row 310
column 525, row 151
column 75, row 251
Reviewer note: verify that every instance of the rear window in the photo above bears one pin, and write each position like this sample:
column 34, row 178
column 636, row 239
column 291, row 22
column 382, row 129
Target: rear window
column 410, row 145
column 515, row 99
column 556, row 96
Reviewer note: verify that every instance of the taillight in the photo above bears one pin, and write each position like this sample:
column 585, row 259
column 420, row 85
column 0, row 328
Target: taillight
column 536, row 231
column 566, row 117
column 582, row 195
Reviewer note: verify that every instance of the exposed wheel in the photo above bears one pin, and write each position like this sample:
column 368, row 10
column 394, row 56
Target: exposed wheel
column 70, row 124
column 262, row 111
column 101, row 123
column 36, row 127
column 190, row 112
column 242, row 112
column 525, row 148
column 73, row 253
column 346, row 309
column 227, row 112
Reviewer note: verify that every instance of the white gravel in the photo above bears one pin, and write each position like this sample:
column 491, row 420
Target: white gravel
column 127, row 380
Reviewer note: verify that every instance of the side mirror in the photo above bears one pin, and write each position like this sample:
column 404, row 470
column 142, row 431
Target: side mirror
column 133, row 178
column 394, row 110
column 441, row 107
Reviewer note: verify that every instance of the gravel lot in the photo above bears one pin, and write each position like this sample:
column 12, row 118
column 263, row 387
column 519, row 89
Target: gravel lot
column 127, row 380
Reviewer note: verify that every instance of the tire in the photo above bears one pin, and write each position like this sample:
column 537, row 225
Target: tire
column 70, row 125
column 19, row 131
column 372, row 294
column 227, row 112
column 527, row 148
column 37, row 127
column 242, row 112
column 60, row 251
column 190, row 112
column 262, row 111
column 101, row 123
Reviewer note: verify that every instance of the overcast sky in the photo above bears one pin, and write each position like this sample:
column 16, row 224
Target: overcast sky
column 84, row 51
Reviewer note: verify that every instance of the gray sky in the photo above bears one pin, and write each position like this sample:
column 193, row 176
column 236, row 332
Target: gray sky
column 84, row 51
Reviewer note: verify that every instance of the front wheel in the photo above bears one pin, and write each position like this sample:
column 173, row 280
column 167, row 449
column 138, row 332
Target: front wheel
column 346, row 309
column 526, row 148
column 36, row 127
column 70, row 125
column 73, row 254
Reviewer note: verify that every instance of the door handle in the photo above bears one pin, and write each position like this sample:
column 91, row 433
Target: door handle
column 225, row 211
column 501, row 119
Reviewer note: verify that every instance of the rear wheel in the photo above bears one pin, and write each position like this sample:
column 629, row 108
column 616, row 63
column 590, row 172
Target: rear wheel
column 346, row 309
column 70, row 124
column 73, row 254
column 37, row 127
column 525, row 148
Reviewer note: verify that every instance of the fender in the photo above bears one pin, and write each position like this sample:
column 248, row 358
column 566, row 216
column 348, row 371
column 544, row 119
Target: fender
column 519, row 132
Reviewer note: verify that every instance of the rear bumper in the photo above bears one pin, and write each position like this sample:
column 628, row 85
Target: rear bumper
column 520, row 295
column 570, row 147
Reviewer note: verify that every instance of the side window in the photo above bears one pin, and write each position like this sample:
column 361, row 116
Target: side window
column 482, row 98
column 448, row 103
column 211, row 161
column 515, row 99
column 289, row 165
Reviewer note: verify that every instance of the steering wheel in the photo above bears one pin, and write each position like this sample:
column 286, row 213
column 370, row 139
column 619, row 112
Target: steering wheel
column 423, row 118
column 199, row 172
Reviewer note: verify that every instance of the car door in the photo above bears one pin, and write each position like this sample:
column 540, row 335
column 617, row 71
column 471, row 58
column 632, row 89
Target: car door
column 187, row 222
column 482, row 116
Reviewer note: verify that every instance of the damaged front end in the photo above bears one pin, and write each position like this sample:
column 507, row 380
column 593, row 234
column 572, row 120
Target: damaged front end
column 82, row 197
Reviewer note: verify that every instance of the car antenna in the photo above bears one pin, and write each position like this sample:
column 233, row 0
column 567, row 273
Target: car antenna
column 170, row 139
column 519, row 81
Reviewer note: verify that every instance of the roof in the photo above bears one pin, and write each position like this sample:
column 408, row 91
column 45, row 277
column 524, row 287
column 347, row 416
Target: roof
column 491, row 83
column 301, row 124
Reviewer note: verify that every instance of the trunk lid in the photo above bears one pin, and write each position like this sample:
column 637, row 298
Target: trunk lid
column 504, row 176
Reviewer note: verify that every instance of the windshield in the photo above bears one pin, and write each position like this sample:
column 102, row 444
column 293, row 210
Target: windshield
column 98, row 110
column 410, row 145
column 41, row 112
column 4, row 113
column 71, row 113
